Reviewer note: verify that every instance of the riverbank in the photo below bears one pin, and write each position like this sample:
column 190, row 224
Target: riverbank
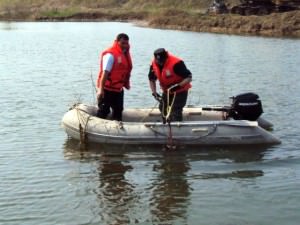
column 188, row 17
column 274, row 25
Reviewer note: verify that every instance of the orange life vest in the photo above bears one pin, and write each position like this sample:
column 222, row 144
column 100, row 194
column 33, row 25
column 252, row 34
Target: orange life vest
column 120, row 73
column 167, row 77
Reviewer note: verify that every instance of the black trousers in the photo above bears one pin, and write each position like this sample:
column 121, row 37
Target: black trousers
column 112, row 100
column 179, row 103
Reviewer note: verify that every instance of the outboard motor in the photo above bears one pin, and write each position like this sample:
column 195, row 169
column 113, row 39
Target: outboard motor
column 246, row 106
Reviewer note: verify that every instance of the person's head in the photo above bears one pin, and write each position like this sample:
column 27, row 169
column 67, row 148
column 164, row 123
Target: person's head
column 160, row 56
column 123, row 41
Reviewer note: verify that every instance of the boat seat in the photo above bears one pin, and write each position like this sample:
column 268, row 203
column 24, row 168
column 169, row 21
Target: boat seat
column 194, row 113
column 154, row 113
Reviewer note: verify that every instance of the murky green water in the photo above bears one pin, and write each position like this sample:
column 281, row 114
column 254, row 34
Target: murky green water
column 48, row 179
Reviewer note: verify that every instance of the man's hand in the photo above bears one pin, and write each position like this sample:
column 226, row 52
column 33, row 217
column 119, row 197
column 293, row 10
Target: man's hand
column 127, row 85
column 127, row 81
column 157, row 97
column 100, row 94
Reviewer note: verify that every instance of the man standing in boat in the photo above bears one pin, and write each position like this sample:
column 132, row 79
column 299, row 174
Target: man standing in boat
column 175, row 81
column 114, row 75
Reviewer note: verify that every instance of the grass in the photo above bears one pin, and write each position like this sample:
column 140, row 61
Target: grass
column 60, row 13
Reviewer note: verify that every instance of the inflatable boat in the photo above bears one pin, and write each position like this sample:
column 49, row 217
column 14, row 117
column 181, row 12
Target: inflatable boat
column 238, row 124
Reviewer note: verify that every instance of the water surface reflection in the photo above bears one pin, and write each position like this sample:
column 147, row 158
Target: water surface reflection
column 170, row 189
column 158, row 184
column 116, row 194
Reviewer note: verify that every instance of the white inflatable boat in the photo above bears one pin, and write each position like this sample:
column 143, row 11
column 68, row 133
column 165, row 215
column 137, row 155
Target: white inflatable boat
column 200, row 126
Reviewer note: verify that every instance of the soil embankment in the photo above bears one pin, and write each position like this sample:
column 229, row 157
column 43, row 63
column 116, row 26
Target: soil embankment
column 170, row 14
column 273, row 25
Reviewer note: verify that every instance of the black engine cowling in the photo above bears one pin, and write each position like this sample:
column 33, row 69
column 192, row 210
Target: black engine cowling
column 246, row 106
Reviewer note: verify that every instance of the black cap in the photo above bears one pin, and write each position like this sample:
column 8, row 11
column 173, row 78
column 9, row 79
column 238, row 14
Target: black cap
column 160, row 54
column 122, row 36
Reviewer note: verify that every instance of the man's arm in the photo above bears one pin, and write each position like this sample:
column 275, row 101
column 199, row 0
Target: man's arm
column 152, row 80
column 107, row 64
column 152, row 84
column 182, row 71
column 185, row 81
column 100, row 90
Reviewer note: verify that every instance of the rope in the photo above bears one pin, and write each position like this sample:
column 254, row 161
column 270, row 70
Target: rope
column 83, row 123
column 170, row 137
column 210, row 132
column 169, row 107
column 167, row 116
column 154, row 107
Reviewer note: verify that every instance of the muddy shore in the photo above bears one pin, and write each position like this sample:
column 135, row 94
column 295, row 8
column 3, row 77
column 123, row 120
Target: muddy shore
column 274, row 25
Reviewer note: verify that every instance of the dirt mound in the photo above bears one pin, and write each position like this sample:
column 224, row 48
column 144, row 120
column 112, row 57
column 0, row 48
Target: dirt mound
column 276, row 24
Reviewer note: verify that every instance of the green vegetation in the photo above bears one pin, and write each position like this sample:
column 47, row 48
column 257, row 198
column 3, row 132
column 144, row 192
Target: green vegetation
column 57, row 13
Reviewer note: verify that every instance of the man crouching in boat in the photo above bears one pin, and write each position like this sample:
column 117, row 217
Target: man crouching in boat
column 175, row 81
column 114, row 75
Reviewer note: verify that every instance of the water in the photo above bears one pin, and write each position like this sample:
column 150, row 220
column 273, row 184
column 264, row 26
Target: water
column 48, row 179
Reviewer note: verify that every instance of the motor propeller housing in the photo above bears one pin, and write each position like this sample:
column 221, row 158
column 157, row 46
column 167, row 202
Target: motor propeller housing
column 246, row 106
